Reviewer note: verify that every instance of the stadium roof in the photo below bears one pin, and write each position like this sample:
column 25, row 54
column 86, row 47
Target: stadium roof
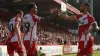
column 69, row 7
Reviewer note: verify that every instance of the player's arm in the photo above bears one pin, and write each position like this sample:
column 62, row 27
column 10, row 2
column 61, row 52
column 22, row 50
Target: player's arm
column 55, row 11
column 94, row 27
column 66, row 17
column 17, row 30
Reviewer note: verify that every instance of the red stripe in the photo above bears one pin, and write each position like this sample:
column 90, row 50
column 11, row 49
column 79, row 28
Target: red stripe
column 34, row 20
column 32, row 32
column 16, row 19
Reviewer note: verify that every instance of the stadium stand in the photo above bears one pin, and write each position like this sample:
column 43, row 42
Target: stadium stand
column 48, row 34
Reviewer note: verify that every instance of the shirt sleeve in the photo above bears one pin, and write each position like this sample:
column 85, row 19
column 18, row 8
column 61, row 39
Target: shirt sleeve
column 38, row 18
column 78, row 16
column 91, row 19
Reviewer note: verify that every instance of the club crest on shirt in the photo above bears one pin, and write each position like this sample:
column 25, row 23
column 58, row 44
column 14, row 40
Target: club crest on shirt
column 83, row 20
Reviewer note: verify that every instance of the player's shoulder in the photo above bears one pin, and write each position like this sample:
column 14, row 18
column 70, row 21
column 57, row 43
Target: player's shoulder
column 12, row 19
column 78, row 16
column 27, row 16
column 89, row 15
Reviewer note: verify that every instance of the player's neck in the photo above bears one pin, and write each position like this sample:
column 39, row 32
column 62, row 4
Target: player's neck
column 84, row 13
column 17, row 16
column 31, row 12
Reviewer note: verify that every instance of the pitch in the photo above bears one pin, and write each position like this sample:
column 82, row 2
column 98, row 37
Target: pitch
column 96, row 53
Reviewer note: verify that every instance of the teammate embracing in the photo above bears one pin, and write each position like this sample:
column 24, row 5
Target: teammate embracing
column 85, row 20
column 30, row 24
column 14, row 42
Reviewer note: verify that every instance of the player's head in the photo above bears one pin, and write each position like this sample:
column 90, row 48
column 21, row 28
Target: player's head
column 32, row 7
column 40, row 48
column 84, row 7
column 18, row 13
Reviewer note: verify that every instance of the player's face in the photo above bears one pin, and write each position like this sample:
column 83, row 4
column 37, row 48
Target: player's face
column 34, row 10
column 82, row 8
column 21, row 15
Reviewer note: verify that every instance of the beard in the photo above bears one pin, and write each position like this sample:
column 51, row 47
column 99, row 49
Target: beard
column 34, row 12
column 81, row 10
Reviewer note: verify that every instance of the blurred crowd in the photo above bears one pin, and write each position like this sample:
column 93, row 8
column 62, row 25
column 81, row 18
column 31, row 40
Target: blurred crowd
column 52, row 34
column 3, row 32
column 48, row 34
column 55, row 38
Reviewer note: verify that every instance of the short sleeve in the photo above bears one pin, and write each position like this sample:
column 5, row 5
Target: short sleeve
column 25, row 17
column 91, row 19
column 38, row 18
column 78, row 16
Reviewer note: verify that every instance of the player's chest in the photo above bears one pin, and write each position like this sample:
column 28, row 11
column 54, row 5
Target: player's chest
column 12, row 21
column 83, row 20
column 29, row 22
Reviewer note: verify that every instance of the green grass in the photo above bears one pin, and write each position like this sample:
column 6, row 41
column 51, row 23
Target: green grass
column 96, row 53
column 70, row 55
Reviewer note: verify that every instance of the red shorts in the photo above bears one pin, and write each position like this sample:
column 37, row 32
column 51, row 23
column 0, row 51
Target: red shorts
column 88, row 48
column 14, row 46
column 30, row 50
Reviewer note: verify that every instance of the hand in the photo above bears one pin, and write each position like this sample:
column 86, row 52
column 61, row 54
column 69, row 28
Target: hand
column 55, row 11
column 97, row 28
column 94, row 27
column 19, row 41
column 31, row 43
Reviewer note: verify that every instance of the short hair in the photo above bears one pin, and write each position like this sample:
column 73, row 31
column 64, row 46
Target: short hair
column 17, row 11
column 87, row 4
column 40, row 48
column 31, row 5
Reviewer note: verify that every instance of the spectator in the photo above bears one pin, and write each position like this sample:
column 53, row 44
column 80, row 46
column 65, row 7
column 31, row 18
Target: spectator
column 48, row 34
column 40, row 53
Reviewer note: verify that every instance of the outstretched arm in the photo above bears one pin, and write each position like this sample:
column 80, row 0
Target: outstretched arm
column 66, row 17
column 55, row 11
column 17, row 30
